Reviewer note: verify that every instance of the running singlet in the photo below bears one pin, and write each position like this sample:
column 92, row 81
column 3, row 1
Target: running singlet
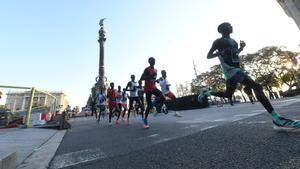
column 119, row 97
column 124, row 98
column 150, row 83
column 133, row 89
column 101, row 98
column 164, row 84
column 141, row 92
column 229, row 58
column 113, row 95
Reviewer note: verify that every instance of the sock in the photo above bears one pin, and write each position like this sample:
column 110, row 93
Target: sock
column 275, row 115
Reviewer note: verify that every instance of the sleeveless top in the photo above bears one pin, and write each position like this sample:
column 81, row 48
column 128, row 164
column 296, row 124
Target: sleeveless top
column 150, row 83
column 133, row 89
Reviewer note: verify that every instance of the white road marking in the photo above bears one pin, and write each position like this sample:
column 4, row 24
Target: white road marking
column 73, row 158
column 248, row 115
column 259, row 111
column 154, row 135
column 191, row 126
column 252, row 122
column 209, row 127
column 219, row 120
column 164, row 140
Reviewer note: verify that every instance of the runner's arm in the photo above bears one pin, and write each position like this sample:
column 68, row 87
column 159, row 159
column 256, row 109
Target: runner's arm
column 157, row 81
column 211, row 53
column 242, row 45
column 127, row 86
column 145, row 75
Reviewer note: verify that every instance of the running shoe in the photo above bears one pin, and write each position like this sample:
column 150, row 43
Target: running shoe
column 117, row 122
column 286, row 124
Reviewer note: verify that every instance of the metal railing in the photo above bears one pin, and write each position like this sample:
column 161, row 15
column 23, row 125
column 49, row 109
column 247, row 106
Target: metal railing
column 33, row 90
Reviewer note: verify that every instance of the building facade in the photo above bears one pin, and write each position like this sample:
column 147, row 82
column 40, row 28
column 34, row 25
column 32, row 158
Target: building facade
column 18, row 101
column 292, row 9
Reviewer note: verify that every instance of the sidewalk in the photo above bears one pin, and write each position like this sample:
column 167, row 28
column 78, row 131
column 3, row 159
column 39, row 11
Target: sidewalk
column 34, row 147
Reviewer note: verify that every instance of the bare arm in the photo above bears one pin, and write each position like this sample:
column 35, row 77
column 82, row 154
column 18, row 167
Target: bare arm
column 145, row 75
column 211, row 53
column 128, row 85
column 242, row 45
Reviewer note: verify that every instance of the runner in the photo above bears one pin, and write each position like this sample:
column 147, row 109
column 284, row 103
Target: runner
column 149, row 75
column 133, row 96
column 226, row 49
column 141, row 98
column 101, row 101
column 124, row 103
column 112, row 103
column 165, row 89
column 119, row 98
column 93, row 107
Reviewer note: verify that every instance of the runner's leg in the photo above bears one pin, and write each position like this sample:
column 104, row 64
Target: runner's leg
column 130, row 106
column 258, row 90
column 231, row 86
column 149, row 105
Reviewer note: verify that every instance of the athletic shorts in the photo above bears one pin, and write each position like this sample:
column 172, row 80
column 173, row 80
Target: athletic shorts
column 239, row 76
column 170, row 95
column 112, row 105
column 101, row 107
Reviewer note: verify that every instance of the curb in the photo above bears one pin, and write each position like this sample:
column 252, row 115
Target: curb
column 9, row 161
column 42, row 156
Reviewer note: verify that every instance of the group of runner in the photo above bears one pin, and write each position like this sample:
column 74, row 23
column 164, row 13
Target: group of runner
column 227, row 50
column 117, row 99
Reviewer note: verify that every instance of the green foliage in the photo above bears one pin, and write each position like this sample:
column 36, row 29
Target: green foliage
column 270, row 66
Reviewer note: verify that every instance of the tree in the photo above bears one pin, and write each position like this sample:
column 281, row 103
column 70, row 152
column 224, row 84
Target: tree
column 183, row 89
column 200, row 82
column 264, row 65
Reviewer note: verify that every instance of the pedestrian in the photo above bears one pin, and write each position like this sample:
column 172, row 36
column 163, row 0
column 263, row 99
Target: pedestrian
column 226, row 49
column 149, row 76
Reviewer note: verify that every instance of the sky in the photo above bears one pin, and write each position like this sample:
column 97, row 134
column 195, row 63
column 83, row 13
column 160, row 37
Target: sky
column 52, row 45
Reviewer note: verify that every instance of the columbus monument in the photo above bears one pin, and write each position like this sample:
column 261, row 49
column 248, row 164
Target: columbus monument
column 101, row 78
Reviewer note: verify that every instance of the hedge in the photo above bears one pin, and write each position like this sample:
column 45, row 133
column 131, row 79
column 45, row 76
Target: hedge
column 187, row 103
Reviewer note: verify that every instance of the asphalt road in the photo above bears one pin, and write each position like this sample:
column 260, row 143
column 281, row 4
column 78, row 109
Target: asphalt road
column 228, row 137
